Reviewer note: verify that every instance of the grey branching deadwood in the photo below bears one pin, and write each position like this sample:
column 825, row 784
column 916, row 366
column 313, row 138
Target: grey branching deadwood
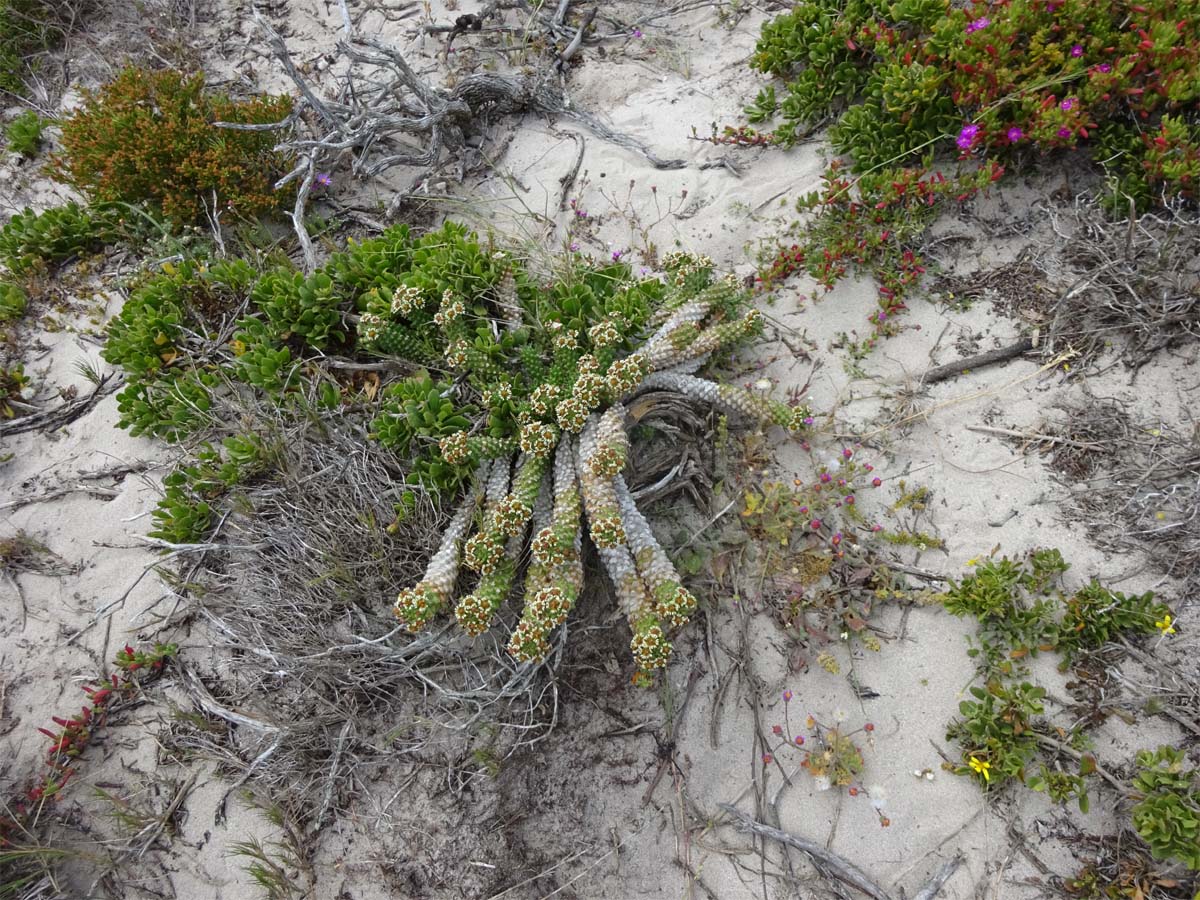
column 386, row 115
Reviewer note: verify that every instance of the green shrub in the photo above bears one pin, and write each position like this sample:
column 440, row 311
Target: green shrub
column 996, row 731
column 12, row 301
column 147, row 137
column 30, row 240
column 260, row 359
column 1168, row 814
column 180, row 516
column 24, row 133
column 304, row 306
column 171, row 406
column 1022, row 609
column 185, row 512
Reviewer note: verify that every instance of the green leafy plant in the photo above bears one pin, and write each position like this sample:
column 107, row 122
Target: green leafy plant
column 13, row 301
column 1022, row 609
column 185, row 512
column 996, row 732
column 24, row 133
column 148, row 137
column 1167, row 816
column 181, row 516
column 30, row 240
column 298, row 305
column 171, row 406
column 12, row 382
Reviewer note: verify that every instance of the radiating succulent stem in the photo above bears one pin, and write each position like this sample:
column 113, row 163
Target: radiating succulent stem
column 484, row 550
column 612, row 444
column 477, row 610
column 729, row 398
column 673, row 602
column 556, row 572
column 417, row 606
column 599, row 498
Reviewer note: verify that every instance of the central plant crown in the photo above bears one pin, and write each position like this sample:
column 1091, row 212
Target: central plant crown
column 526, row 419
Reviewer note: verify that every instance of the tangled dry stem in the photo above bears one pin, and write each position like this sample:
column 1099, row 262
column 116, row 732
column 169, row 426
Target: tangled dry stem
column 1142, row 483
column 325, row 679
column 1135, row 283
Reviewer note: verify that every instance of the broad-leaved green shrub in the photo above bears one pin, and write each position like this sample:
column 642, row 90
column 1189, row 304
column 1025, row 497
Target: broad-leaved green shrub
column 1167, row 817
column 30, row 240
column 24, row 133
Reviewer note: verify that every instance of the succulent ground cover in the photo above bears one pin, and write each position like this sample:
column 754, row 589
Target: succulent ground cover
column 929, row 102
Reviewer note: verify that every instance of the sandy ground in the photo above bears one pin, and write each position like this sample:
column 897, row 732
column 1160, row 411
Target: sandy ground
column 576, row 809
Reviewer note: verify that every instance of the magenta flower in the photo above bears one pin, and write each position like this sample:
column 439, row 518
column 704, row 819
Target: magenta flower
column 966, row 137
column 1077, row 51
column 1015, row 134
column 1067, row 104
column 1105, row 68
column 978, row 25
column 1064, row 133
column 637, row 32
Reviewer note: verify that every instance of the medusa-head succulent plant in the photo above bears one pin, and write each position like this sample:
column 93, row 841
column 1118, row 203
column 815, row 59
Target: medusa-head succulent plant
column 527, row 423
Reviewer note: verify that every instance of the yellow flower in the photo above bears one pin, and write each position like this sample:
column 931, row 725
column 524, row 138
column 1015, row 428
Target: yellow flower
column 1166, row 625
column 981, row 767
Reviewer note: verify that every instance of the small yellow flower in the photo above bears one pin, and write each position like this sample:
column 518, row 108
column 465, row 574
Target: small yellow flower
column 973, row 562
column 981, row 767
column 1166, row 625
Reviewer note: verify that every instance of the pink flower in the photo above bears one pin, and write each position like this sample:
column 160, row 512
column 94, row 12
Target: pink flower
column 966, row 137
column 978, row 25
column 1064, row 133
column 1067, row 104
column 1105, row 68
column 1077, row 51
column 1015, row 134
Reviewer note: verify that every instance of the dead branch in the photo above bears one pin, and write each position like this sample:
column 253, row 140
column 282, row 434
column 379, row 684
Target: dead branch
column 64, row 414
column 978, row 361
column 839, row 867
column 939, row 879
